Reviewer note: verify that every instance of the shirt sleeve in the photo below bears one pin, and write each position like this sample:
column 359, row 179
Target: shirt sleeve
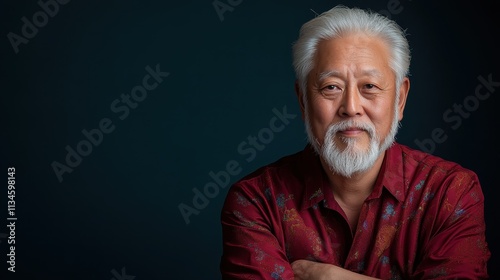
column 455, row 246
column 253, row 246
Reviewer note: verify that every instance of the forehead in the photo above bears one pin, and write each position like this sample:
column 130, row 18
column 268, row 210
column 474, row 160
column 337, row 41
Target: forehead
column 354, row 52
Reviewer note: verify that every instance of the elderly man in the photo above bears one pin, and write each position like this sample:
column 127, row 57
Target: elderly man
column 354, row 204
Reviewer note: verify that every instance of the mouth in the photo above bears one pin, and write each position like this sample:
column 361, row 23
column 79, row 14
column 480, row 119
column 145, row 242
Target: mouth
column 351, row 132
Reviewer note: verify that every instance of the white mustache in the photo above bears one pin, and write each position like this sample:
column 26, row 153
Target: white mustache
column 343, row 125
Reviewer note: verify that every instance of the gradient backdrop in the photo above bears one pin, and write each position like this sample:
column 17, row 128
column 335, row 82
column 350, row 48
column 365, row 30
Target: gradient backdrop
column 74, row 77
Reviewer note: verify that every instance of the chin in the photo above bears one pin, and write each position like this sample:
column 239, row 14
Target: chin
column 352, row 144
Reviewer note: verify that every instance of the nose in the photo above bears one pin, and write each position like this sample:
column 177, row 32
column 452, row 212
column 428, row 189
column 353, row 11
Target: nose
column 350, row 105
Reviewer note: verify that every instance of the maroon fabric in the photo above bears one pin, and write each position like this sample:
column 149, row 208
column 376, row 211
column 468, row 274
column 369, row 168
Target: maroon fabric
column 423, row 220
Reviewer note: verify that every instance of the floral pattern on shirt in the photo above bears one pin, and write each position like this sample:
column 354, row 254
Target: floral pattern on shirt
column 424, row 219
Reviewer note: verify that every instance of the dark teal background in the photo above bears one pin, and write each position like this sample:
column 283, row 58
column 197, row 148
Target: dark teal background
column 119, row 207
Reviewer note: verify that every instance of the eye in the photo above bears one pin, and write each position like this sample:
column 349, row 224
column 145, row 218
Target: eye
column 330, row 89
column 369, row 86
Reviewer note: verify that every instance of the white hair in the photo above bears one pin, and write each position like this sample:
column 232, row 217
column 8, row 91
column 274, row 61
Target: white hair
column 342, row 20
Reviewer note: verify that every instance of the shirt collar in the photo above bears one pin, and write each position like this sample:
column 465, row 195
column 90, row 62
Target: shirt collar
column 390, row 176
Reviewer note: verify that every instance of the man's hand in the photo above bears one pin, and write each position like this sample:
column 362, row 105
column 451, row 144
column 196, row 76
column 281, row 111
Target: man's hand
column 309, row 270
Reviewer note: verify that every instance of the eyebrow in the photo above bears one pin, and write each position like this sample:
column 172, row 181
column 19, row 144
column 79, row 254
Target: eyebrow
column 335, row 73
column 327, row 74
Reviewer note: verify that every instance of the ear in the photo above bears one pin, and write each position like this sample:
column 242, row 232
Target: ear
column 300, row 98
column 403, row 95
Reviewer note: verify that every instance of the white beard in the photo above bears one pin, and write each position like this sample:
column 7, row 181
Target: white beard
column 351, row 160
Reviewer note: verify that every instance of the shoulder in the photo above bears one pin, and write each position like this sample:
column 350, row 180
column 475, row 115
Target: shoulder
column 276, row 174
column 272, row 185
column 431, row 164
column 436, row 174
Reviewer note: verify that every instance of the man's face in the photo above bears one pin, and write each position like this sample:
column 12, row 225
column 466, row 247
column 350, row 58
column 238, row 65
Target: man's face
column 351, row 110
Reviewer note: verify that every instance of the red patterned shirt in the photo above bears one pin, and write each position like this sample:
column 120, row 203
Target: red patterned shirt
column 423, row 220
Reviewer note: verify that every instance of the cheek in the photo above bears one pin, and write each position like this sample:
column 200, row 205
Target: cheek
column 322, row 112
column 321, row 115
column 382, row 118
